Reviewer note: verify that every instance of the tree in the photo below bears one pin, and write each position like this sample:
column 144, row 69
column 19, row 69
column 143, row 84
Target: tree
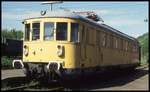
column 12, row 34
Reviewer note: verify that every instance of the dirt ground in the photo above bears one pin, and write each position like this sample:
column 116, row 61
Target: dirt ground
column 129, row 80
column 11, row 73
column 139, row 81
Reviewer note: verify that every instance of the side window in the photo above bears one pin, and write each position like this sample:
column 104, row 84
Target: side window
column 134, row 48
column 97, row 37
column 116, row 42
column 91, row 39
column 111, row 41
column 137, row 48
column 104, row 39
column 27, row 32
column 121, row 44
column 87, row 36
column 126, row 45
column 36, row 31
column 74, row 32
column 83, row 33
column 129, row 46
column 49, row 31
column 61, row 31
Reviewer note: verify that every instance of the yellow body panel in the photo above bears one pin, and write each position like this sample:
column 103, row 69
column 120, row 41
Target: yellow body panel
column 47, row 51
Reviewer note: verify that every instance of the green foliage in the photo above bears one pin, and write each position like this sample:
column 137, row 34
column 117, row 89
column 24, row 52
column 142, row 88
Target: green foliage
column 6, row 62
column 144, row 45
column 13, row 34
column 143, row 61
column 33, row 83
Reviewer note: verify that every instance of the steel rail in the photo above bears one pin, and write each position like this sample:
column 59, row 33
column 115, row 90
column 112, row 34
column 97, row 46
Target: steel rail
column 42, row 89
column 17, row 88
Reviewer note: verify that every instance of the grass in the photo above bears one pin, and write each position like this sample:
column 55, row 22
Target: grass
column 5, row 87
column 12, row 84
column 6, row 62
column 32, row 83
column 143, row 61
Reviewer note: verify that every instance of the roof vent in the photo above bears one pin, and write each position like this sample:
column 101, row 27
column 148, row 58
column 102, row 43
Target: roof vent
column 91, row 15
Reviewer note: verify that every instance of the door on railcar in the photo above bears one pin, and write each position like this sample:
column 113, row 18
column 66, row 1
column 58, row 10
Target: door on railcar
column 98, row 48
column 83, row 46
column 75, row 40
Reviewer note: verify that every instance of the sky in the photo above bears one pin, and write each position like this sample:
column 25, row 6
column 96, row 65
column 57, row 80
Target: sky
column 127, row 17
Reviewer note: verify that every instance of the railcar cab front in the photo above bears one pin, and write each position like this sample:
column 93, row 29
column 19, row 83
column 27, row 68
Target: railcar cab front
column 50, row 41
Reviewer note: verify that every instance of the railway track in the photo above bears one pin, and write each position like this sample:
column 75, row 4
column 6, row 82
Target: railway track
column 21, row 84
column 21, row 88
column 29, row 88
column 33, row 88
column 46, row 89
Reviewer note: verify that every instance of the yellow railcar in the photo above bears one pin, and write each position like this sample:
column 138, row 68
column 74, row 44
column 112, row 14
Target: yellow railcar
column 63, row 44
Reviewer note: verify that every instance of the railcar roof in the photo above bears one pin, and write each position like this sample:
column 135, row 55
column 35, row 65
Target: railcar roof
column 67, row 14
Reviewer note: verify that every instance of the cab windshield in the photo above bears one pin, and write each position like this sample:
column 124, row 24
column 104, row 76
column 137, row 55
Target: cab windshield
column 50, row 33
column 61, row 31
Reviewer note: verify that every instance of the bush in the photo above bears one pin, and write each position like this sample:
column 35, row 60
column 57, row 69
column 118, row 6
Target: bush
column 6, row 62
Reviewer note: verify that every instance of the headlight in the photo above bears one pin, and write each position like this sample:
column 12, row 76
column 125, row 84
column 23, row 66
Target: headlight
column 25, row 50
column 59, row 53
column 59, row 50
